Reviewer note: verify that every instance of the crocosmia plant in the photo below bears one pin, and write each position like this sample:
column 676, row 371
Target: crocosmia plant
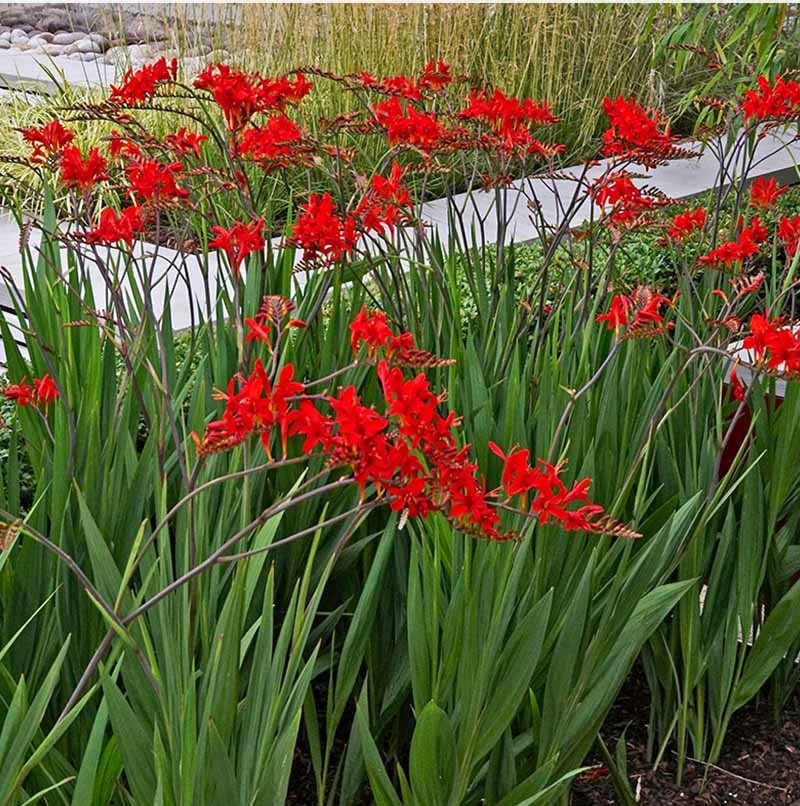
column 303, row 485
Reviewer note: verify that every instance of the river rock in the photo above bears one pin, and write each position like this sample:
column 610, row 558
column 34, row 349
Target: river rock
column 53, row 50
column 144, row 28
column 100, row 40
column 55, row 20
column 88, row 46
column 68, row 38
column 4, row 44
column 142, row 53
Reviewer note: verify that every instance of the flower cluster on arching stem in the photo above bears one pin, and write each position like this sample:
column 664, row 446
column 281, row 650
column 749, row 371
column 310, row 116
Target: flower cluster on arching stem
column 408, row 452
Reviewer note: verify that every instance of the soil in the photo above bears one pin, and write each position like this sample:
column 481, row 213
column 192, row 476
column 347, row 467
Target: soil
column 759, row 766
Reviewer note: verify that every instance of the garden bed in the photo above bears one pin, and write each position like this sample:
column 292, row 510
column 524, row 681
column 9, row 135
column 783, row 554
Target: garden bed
column 758, row 768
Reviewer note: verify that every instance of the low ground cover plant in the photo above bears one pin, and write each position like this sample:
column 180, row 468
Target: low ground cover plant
column 389, row 504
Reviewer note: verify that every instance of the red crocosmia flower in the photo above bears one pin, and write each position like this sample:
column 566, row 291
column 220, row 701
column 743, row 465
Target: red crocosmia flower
column 254, row 409
column 617, row 315
column 405, row 125
column 45, row 390
column 42, row 391
column 322, row 232
column 278, row 144
column 764, row 193
column 82, row 173
column 257, row 330
column 184, row 142
column 783, row 351
column 21, row 393
column 469, row 506
column 308, row 421
column 519, row 478
column 140, row 85
column 370, row 328
column 744, row 247
column 435, row 76
column 113, row 228
column 509, row 120
column 275, row 94
column 631, row 129
column 780, row 346
column 47, row 141
column 235, row 92
column 552, row 498
column 760, row 329
column 412, row 497
column 121, row 146
column 241, row 95
column 285, row 388
column 391, row 189
column 627, row 201
column 408, row 452
column 685, row 223
column 239, row 241
column 772, row 101
column 789, row 233
column 640, row 313
column 503, row 113
column 154, row 182
column 737, row 388
column 403, row 86
column 385, row 198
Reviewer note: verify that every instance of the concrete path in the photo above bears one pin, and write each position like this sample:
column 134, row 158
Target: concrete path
column 20, row 70
column 777, row 155
column 186, row 291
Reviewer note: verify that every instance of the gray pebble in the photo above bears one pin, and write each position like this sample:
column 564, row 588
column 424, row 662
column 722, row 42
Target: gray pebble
column 53, row 50
column 89, row 56
column 4, row 44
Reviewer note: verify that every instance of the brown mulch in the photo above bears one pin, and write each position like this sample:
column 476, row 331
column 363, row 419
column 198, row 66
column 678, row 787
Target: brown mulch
column 759, row 766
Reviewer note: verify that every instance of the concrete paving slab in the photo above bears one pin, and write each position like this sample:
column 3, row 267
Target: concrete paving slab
column 42, row 73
